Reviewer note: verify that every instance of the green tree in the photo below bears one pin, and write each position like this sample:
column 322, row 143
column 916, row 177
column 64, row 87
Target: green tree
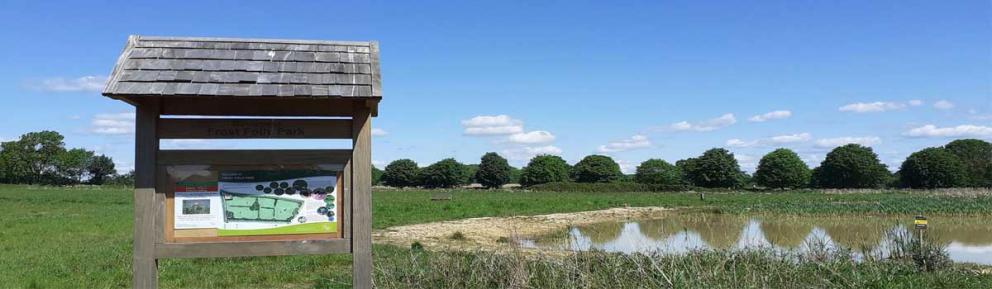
column 401, row 173
column 933, row 168
column 100, row 168
column 657, row 171
column 494, row 171
column 851, row 166
column 782, row 168
column 515, row 175
column 32, row 159
column 446, row 173
column 376, row 176
column 976, row 156
column 544, row 169
column 716, row 168
column 596, row 169
column 70, row 167
column 468, row 174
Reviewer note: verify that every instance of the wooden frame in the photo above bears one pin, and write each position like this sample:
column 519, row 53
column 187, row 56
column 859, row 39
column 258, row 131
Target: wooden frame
column 154, row 237
column 324, row 90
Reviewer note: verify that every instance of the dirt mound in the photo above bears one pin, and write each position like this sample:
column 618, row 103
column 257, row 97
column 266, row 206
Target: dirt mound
column 493, row 232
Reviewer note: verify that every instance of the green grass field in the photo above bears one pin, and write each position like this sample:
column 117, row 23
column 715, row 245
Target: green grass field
column 80, row 237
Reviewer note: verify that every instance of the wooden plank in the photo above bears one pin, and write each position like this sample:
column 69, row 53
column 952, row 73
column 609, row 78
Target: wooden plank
column 207, row 128
column 361, row 167
column 257, row 106
column 260, row 248
column 145, row 266
column 253, row 157
column 346, row 199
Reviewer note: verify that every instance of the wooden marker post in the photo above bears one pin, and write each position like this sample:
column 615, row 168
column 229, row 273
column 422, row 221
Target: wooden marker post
column 229, row 203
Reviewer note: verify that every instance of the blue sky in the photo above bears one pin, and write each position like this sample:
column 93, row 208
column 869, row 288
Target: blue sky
column 634, row 80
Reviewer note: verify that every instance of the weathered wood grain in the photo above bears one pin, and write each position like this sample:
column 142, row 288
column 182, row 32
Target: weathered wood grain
column 252, row 248
column 226, row 128
column 361, row 166
column 145, row 266
column 253, row 157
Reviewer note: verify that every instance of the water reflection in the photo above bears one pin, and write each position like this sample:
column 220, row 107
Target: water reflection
column 969, row 238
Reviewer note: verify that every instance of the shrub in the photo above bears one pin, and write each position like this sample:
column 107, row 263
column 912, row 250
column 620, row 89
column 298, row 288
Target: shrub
column 976, row 156
column 656, row 171
column 614, row 187
column 933, row 168
column 494, row 171
column 716, row 168
column 781, row 169
column 851, row 166
column 544, row 169
column 401, row 173
column 596, row 169
column 446, row 173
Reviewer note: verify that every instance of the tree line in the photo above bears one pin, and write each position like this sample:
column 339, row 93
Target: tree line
column 41, row 158
column 960, row 163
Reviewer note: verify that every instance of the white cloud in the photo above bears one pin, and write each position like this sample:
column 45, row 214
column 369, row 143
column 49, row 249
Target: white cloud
column 791, row 138
column 85, row 83
column 113, row 123
column 839, row 141
column 943, row 105
column 627, row 167
column 878, row 106
column 739, row 143
column 706, row 125
column 965, row 130
column 492, row 125
column 533, row 137
column 632, row 143
column 526, row 153
column 379, row 132
column 778, row 114
column 746, row 162
column 775, row 140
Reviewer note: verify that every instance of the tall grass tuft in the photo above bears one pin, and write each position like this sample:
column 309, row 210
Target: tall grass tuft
column 924, row 252
column 399, row 268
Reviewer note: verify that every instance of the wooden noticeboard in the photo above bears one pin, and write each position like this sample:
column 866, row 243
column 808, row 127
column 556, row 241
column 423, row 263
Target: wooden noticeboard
column 225, row 88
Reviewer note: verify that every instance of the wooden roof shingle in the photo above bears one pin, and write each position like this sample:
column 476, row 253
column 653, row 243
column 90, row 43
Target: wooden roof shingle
column 170, row 66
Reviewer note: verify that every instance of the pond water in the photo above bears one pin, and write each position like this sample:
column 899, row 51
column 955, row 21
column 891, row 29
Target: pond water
column 969, row 239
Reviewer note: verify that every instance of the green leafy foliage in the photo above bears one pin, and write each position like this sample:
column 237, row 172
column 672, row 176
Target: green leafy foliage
column 468, row 174
column 782, row 168
column 401, row 173
column 544, row 169
column 376, row 176
column 494, row 171
column 42, row 158
column 446, row 173
column 100, row 168
column 851, row 166
column 596, row 169
column 933, row 168
column 611, row 187
column 657, row 171
column 716, row 168
column 976, row 156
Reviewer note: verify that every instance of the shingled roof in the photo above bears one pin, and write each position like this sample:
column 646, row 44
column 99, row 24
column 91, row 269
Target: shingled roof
column 173, row 66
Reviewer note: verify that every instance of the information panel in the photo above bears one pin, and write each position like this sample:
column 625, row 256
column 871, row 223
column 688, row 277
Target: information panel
column 236, row 202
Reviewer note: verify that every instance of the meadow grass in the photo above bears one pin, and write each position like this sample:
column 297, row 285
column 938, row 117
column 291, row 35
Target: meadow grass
column 80, row 237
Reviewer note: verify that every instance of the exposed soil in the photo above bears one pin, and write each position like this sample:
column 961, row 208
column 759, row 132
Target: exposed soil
column 494, row 232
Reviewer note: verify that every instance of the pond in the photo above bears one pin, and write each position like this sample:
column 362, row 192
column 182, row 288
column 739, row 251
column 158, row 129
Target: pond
column 968, row 239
